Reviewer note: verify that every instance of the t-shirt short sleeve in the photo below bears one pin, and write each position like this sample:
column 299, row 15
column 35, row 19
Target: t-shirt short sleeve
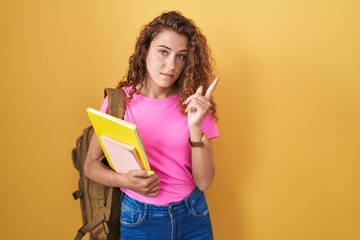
column 105, row 105
column 209, row 126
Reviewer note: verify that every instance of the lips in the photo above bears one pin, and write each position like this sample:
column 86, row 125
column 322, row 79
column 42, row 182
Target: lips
column 167, row 75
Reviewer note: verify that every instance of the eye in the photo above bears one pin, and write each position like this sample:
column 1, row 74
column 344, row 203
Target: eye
column 163, row 52
column 181, row 56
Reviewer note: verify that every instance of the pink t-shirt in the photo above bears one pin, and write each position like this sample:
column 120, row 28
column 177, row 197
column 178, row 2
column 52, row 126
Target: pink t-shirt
column 164, row 132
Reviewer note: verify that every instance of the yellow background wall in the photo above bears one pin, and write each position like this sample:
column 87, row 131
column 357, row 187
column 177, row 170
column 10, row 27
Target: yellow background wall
column 288, row 159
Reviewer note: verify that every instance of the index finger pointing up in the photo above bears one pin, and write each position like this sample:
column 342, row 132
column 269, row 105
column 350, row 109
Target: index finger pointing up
column 211, row 88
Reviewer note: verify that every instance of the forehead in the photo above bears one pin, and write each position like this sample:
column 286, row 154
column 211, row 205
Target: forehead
column 171, row 39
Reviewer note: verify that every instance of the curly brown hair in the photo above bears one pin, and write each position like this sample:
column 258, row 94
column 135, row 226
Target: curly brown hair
column 198, row 69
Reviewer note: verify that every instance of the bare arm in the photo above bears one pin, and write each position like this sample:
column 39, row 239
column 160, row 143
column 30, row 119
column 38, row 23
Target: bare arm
column 203, row 169
column 136, row 180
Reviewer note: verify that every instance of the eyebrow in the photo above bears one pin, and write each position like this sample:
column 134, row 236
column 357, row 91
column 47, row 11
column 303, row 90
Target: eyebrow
column 185, row 50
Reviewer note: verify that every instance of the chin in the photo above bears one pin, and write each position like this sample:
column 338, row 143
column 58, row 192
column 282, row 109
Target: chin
column 166, row 83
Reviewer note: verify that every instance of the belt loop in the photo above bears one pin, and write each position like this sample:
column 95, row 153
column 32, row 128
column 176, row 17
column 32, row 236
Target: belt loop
column 187, row 203
column 146, row 209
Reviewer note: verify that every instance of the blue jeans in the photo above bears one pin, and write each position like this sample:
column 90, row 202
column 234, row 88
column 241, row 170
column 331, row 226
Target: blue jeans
column 187, row 219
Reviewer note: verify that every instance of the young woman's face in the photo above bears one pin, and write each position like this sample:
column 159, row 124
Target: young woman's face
column 166, row 59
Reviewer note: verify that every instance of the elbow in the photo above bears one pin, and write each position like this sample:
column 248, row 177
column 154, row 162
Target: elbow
column 203, row 185
column 205, row 182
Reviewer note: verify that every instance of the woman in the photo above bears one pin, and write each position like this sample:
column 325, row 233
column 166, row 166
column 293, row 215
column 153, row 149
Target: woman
column 165, row 83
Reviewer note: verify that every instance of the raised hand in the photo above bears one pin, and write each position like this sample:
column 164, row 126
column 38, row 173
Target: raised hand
column 198, row 104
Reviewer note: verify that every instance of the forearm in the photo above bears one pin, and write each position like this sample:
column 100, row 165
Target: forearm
column 203, row 168
column 96, row 171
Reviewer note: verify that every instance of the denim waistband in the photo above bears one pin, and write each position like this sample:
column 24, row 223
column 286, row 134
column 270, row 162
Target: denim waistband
column 137, row 206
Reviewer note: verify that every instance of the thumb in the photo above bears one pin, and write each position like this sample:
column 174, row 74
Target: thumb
column 199, row 90
column 140, row 173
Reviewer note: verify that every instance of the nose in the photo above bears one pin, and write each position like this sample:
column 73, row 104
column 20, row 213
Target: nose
column 170, row 63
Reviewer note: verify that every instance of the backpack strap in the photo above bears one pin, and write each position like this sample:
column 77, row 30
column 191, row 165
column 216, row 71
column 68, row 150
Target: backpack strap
column 117, row 104
column 88, row 227
column 116, row 100
column 98, row 219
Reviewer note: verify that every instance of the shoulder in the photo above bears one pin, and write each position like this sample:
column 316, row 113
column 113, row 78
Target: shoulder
column 105, row 105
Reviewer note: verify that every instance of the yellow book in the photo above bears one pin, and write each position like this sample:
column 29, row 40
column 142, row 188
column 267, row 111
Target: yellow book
column 119, row 130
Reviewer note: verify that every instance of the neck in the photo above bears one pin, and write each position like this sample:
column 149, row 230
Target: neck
column 157, row 92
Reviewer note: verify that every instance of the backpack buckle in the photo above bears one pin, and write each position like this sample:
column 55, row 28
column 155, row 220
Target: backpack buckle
column 77, row 194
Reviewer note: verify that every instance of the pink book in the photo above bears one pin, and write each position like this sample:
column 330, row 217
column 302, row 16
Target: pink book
column 123, row 157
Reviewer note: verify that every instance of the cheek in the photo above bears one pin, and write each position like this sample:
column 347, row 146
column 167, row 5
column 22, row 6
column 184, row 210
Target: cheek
column 181, row 67
column 151, row 62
